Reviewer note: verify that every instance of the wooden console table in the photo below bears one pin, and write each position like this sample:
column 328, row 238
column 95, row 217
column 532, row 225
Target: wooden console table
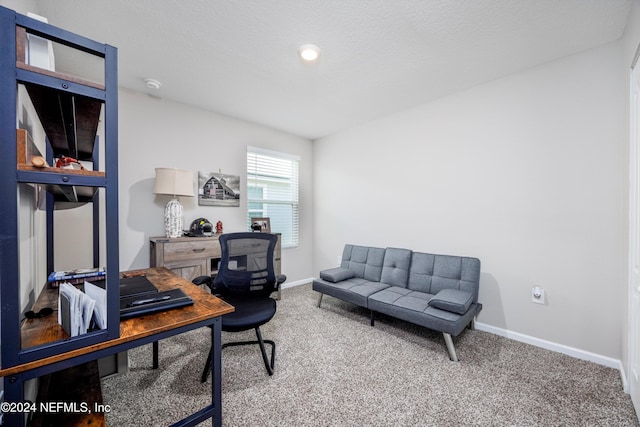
column 205, row 311
column 191, row 257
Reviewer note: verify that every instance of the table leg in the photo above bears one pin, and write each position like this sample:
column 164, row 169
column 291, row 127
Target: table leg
column 216, row 372
column 14, row 393
column 155, row 354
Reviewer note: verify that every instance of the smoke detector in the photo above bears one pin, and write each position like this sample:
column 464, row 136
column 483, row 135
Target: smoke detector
column 152, row 84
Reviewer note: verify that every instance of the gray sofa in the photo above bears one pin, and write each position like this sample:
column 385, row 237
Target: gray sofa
column 439, row 292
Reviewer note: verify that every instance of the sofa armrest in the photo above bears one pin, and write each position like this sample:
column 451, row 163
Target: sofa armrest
column 452, row 300
column 337, row 274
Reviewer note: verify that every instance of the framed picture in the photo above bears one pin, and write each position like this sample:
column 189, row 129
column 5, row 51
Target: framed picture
column 217, row 189
column 262, row 225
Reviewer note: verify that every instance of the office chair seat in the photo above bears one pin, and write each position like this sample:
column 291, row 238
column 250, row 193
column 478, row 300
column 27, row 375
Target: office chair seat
column 248, row 313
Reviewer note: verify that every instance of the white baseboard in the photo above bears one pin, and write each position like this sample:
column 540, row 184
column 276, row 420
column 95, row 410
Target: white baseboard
column 560, row 348
column 286, row 285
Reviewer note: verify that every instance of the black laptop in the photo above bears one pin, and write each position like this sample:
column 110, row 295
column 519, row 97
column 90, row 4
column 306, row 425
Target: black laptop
column 138, row 296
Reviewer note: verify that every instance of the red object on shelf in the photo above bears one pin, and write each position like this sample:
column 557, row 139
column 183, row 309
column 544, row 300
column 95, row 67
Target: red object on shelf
column 69, row 163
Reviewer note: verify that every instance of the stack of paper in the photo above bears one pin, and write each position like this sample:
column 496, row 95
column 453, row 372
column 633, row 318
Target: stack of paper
column 75, row 310
column 100, row 309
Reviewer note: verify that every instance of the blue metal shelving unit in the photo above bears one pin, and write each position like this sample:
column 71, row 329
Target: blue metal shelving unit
column 66, row 91
column 46, row 90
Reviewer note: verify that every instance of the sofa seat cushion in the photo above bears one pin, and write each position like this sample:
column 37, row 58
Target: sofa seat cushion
column 413, row 306
column 452, row 300
column 403, row 297
column 337, row 274
column 395, row 300
column 355, row 290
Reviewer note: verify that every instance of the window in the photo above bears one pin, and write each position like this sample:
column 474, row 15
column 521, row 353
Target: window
column 272, row 191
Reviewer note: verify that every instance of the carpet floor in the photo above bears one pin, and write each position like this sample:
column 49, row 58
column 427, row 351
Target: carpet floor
column 334, row 369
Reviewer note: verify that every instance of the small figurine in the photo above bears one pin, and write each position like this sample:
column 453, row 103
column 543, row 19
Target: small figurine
column 219, row 227
column 65, row 162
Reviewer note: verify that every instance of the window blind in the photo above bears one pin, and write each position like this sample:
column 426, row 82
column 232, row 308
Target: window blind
column 272, row 191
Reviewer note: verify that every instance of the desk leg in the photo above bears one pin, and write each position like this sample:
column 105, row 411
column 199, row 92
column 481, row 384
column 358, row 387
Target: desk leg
column 216, row 372
column 155, row 350
column 14, row 393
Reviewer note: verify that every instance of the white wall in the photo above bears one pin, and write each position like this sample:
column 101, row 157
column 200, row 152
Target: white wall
column 21, row 6
column 524, row 173
column 31, row 221
column 159, row 133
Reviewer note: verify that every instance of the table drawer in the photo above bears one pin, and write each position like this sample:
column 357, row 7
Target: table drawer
column 179, row 251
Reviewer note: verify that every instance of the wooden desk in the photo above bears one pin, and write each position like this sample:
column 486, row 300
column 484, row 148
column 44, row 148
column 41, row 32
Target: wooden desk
column 205, row 311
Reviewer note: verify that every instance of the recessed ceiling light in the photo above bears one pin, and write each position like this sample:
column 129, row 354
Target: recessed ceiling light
column 309, row 52
column 152, row 83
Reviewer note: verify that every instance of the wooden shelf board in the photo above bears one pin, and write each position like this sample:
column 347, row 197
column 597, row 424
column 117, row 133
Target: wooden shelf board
column 62, row 193
column 21, row 49
column 61, row 171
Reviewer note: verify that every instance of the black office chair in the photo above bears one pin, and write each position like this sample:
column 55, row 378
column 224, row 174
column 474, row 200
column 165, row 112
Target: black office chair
column 246, row 279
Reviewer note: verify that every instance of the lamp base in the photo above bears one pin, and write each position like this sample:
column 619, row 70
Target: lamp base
column 173, row 222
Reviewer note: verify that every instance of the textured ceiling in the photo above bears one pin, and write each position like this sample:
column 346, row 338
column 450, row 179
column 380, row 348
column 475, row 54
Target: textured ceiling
column 378, row 56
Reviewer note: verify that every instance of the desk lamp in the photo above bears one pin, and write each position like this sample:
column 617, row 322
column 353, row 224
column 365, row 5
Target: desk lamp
column 173, row 182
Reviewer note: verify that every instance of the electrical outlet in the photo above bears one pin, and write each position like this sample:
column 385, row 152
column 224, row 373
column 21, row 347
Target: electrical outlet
column 537, row 295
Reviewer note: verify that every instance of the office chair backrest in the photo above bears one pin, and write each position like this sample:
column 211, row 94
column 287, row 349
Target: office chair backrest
column 246, row 265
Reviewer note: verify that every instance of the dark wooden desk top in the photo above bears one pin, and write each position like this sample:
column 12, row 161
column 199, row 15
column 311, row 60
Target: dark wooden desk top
column 205, row 306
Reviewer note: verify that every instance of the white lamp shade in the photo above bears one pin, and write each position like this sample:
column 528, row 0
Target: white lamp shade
column 174, row 182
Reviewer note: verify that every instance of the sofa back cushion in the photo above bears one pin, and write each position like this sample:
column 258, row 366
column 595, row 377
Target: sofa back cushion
column 395, row 268
column 431, row 273
column 365, row 261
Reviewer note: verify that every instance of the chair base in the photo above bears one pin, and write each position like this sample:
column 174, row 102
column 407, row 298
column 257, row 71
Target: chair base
column 268, row 364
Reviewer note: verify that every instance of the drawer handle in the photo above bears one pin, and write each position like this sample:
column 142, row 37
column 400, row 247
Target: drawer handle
column 198, row 250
